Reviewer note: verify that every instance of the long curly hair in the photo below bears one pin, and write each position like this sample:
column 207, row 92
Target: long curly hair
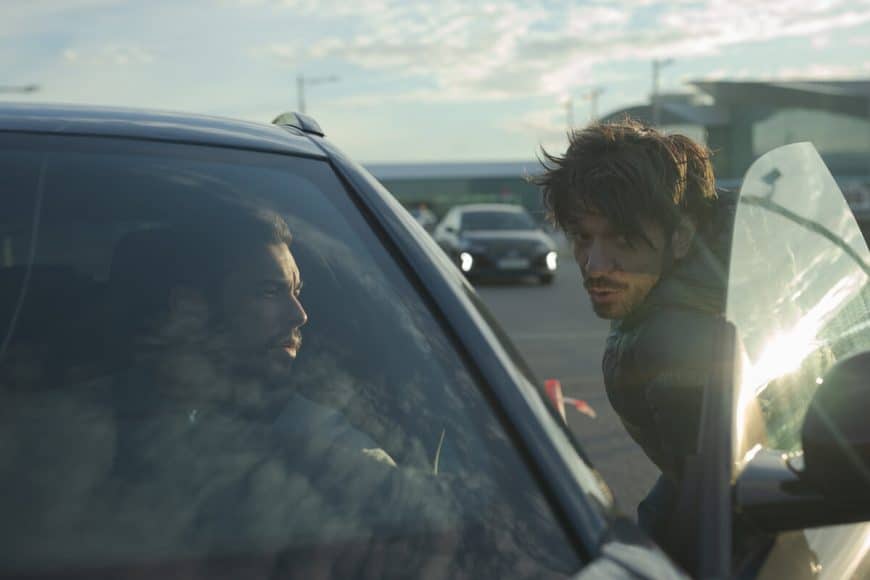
column 628, row 171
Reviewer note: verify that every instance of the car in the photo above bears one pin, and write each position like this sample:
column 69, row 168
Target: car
column 497, row 240
column 227, row 351
column 160, row 416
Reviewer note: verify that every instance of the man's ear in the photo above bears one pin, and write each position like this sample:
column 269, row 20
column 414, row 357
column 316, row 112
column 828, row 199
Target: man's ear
column 681, row 240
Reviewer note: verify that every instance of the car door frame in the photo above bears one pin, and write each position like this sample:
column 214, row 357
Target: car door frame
column 553, row 458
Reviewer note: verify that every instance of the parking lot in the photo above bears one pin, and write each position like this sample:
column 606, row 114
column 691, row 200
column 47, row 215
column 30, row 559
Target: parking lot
column 560, row 337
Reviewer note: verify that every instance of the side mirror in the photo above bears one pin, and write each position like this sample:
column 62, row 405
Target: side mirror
column 829, row 483
column 836, row 431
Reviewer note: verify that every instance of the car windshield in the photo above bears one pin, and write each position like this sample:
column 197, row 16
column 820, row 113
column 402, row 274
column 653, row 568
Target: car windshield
column 496, row 220
column 798, row 292
column 209, row 363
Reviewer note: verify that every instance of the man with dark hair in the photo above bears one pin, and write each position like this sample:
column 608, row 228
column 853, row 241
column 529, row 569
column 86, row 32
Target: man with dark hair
column 222, row 289
column 206, row 321
column 216, row 448
column 652, row 238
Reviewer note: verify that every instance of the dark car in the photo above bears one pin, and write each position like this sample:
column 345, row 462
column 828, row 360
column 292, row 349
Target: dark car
column 497, row 240
column 226, row 351
column 160, row 416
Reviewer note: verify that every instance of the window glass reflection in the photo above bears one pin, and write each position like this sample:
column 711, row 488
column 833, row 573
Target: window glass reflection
column 209, row 363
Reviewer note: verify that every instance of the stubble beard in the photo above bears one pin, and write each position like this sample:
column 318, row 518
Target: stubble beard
column 632, row 296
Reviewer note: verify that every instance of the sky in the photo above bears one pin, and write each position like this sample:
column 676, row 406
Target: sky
column 418, row 81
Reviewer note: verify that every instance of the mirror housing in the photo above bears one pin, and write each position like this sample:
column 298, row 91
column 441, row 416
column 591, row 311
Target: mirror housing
column 829, row 483
column 772, row 495
column 836, row 431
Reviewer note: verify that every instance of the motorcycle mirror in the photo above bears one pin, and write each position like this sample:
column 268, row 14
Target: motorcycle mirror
column 836, row 431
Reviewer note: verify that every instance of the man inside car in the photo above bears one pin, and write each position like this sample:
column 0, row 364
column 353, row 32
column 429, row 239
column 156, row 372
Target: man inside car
column 651, row 236
column 215, row 303
column 212, row 317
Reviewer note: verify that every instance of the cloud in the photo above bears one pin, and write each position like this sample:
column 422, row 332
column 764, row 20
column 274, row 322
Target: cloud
column 108, row 55
column 547, row 124
column 488, row 60
column 820, row 42
column 717, row 74
column 547, row 128
column 822, row 72
column 862, row 41
column 515, row 49
column 25, row 17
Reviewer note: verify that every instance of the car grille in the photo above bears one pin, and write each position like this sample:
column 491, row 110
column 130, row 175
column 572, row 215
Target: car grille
column 501, row 248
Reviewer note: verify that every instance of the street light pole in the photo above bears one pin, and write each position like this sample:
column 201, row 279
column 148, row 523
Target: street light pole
column 657, row 65
column 592, row 97
column 569, row 112
column 300, row 93
column 302, row 81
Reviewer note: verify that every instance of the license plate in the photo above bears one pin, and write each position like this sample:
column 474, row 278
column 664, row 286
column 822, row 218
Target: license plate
column 513, row 263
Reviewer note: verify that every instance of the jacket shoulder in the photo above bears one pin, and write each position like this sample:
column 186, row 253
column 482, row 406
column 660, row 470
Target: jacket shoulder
column 676, row 345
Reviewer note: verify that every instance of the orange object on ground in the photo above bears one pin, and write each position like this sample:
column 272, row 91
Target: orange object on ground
column 553, row 387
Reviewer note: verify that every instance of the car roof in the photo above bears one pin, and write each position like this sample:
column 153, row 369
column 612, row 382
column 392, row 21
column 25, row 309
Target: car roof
column 154, row 125
column 491, row 207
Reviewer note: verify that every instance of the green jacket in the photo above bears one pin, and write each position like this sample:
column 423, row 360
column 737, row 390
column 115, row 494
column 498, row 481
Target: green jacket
column 659, row 357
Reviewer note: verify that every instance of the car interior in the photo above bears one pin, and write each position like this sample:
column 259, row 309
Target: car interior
column 372, row 351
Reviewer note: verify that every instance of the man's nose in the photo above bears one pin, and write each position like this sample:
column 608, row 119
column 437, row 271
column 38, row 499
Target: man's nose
column 595, row 259
column 298, row 314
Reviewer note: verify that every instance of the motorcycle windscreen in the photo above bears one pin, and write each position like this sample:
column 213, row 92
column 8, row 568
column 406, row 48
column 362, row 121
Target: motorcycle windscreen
column 798, row 294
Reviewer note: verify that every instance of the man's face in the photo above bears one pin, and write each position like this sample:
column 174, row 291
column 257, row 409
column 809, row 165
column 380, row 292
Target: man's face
column 617, row 273
column 262, row 310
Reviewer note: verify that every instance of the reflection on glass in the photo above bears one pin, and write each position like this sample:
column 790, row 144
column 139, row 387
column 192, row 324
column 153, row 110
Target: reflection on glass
column 784, row 352
column 798, row 292
column 191, row 393
column 800, row 300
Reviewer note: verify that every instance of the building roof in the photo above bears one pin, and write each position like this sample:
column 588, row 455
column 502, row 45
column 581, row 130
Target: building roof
column 457, row 170
column 845, row 97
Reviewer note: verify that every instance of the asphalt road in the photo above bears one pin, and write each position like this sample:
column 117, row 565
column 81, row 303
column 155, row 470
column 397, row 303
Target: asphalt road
column 560, row 337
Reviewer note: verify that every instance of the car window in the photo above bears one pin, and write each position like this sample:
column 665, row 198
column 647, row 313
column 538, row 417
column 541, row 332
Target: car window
column 210, row 362
column 496, row 220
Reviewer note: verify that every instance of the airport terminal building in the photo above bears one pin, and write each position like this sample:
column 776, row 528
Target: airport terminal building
column 739, row 121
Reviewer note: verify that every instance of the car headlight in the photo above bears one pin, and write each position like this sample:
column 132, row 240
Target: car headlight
column 552, row 261
column 466, row 261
